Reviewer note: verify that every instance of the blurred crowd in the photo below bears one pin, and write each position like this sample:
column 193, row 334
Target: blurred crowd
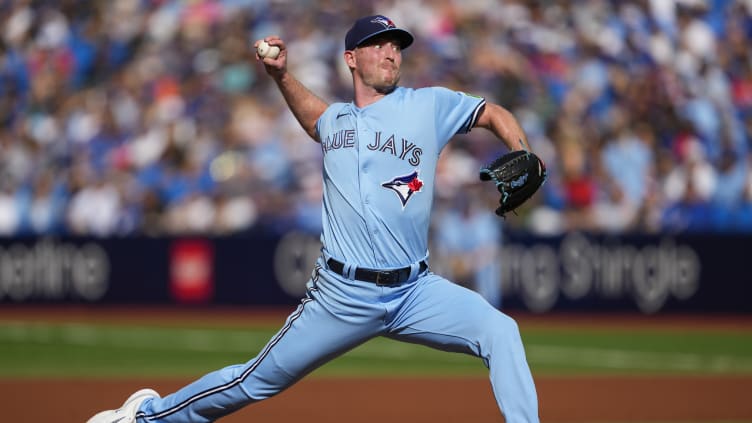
column 152, row 117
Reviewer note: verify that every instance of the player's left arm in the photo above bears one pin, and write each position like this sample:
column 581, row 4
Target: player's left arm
column 502, row 123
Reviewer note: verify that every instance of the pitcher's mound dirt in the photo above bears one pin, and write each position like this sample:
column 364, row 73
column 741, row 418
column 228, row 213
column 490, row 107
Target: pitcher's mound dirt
column 314, row 400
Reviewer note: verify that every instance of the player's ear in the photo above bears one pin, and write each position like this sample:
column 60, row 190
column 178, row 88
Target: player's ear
column 350, row 58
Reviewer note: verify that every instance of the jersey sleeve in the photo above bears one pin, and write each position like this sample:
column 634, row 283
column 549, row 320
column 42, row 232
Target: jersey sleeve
column 456, row 112
column 325, row 122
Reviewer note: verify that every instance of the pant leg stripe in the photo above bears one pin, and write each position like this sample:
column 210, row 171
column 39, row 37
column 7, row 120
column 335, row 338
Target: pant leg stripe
column 237, row 380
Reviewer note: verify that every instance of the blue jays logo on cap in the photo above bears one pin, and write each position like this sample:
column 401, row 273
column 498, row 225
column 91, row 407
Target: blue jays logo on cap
column 383, row 20
column 405, row 186
column 370, row 26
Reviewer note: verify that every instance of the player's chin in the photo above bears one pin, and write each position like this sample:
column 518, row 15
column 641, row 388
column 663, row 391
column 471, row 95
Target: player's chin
column 387, row 86
column 383, row 89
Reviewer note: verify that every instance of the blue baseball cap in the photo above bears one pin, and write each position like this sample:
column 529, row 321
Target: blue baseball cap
column 370, row 26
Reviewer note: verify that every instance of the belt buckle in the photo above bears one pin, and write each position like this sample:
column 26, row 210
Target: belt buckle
column 383, row 278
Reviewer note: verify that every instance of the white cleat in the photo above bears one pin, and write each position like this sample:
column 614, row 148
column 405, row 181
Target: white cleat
column 127, row 412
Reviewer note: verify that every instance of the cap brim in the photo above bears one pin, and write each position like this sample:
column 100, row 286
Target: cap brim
column 404, row 37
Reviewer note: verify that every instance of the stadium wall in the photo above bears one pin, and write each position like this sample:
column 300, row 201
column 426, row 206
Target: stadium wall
column 577, row 272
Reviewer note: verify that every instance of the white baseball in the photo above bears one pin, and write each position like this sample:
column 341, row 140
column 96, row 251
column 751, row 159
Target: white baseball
column 265, row 50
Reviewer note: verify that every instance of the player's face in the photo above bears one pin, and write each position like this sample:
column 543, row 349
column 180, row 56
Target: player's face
column 378, row 63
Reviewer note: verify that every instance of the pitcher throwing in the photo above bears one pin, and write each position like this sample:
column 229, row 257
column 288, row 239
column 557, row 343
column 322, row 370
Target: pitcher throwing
column 372, row 278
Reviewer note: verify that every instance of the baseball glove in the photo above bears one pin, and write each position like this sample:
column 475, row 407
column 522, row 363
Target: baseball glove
column 517, row 176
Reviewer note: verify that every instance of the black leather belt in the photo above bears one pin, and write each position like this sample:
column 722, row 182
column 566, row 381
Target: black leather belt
column 379, row 277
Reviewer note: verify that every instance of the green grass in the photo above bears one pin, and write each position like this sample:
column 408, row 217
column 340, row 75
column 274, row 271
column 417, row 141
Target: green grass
column 647, row 351
column 102, row 350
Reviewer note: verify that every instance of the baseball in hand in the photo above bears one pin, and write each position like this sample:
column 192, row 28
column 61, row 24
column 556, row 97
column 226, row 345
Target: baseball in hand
column 265, row 50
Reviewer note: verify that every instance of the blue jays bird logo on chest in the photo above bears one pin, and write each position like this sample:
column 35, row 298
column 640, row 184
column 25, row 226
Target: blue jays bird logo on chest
column 405, row 186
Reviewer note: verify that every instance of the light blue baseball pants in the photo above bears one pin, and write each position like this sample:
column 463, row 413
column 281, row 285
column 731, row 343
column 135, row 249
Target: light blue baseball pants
column 339, row 314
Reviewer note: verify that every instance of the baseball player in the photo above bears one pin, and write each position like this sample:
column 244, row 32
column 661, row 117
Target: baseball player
column 372, row 278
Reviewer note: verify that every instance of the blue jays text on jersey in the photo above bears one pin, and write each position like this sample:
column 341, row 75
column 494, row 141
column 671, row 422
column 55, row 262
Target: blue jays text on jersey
column 403, row 149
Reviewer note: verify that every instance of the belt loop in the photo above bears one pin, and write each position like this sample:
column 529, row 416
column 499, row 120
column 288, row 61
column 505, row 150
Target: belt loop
column 414, row 270
column 348, row 271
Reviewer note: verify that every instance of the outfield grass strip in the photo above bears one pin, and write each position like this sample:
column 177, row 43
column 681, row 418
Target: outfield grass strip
column 556, row 355
column 642, row 360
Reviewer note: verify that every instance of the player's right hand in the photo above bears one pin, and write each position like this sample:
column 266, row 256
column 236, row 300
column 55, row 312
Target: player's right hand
column 274, row 67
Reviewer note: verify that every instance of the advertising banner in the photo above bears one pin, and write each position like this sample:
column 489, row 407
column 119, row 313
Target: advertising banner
column 577, row 272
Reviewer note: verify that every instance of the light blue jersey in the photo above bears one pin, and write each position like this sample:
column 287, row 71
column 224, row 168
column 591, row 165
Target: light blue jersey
column 379, row 168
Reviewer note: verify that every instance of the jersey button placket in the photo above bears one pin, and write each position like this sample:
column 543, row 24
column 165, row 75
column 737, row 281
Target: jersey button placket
column 366, row 197
column 362, row 134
